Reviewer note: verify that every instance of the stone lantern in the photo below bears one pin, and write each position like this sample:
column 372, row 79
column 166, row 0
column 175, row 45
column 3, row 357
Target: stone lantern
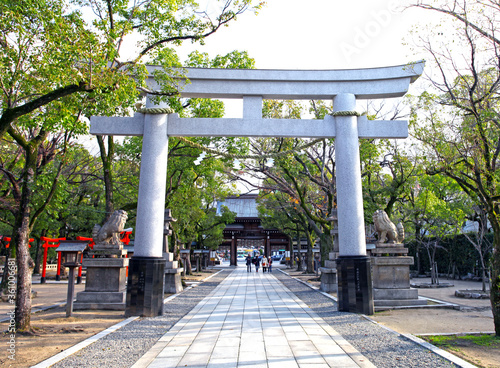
column 71, row 252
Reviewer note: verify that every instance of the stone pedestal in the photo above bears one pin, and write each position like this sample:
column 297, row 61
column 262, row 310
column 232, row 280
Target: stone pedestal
column 354, row 284
column 391, row 282
column 391, row 250
column 146, row 276
column 104, row 285
column 173, row 284
column 329, row 274
column 328, row 280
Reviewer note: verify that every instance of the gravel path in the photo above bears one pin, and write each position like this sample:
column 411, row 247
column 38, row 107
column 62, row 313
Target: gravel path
column 125, row 346
column 382, row 347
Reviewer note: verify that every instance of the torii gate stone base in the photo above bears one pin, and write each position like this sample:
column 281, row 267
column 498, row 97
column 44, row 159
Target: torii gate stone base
column 344, row 87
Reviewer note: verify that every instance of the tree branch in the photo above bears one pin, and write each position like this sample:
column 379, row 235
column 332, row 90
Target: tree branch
column 11, row 114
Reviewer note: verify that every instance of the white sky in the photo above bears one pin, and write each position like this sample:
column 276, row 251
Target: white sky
column 319, row 34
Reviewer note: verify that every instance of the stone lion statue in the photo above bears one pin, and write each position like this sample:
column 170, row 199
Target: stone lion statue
column 109, row 233
column 387, row 231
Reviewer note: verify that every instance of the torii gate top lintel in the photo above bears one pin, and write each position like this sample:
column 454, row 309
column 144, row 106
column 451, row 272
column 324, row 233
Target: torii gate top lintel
column 369, row 83
column 254, row 85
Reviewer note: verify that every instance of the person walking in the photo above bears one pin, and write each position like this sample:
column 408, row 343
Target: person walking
column 270, row 264
column 249, row 263
column 256, row 262
column 264, row 264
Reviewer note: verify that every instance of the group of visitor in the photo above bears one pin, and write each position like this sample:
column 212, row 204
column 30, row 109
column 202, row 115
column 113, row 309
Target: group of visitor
column 267, row 263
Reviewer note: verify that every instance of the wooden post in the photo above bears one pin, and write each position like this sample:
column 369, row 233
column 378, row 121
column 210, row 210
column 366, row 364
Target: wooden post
column 234, row 251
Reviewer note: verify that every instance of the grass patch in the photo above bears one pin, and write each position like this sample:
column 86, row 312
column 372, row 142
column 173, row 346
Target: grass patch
column 478, row 349
column 457, row 340
column 430, row 302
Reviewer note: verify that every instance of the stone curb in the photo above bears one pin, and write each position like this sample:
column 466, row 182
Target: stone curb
column 309, row 285
column 472, row 294
column 70, row 351
column 444, row 354
column 82, row 344
column 448, row 356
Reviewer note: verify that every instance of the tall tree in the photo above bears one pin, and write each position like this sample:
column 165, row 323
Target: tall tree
column 38, row 150
column 479, row 240
column 277, row 212
column 459, row 122
column 58, row 64
column 52, row 50
column 306, row 176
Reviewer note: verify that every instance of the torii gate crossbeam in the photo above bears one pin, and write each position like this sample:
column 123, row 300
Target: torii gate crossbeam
column 344, row 87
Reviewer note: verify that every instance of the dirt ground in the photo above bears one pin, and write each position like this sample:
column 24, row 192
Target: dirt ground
column 199, row 276
column 53, row 332
column 439, row 321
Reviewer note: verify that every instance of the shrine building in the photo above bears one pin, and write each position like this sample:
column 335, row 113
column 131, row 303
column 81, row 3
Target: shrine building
column 247, row 232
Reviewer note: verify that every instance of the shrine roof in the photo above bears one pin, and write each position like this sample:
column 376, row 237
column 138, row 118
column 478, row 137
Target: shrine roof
column 243, row 206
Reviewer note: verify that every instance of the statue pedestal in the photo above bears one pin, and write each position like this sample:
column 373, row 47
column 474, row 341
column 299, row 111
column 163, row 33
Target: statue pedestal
column 173, row 284
column 394, row 250
column 104, row 285
column 391, row 282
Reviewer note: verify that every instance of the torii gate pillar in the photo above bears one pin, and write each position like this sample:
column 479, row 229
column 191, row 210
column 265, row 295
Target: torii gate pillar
column 147, row 266
column 354, row 273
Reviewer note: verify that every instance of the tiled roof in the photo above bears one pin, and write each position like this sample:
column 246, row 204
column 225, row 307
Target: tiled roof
column 243, row 206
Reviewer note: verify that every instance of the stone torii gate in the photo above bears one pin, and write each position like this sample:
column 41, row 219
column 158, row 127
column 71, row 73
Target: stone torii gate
column 344, row 87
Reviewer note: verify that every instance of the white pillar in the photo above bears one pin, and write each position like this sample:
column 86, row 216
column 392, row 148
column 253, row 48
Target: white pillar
column 152, row 186
column 348, row 179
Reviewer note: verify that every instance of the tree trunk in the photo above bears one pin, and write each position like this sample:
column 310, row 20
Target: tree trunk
column 326, row 246
column 299, row 253
column 107, row 168
column 187, row 264
column 431, row 262
column 434, row 272
column 418, row 230
column 189, row 269
column 174, row 246
column 24, row 270
column 483, row 279
column 310, row 257
column 21, row 240
column 495, row 275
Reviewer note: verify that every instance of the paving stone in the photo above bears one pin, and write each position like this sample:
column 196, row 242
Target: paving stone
column 239, row 325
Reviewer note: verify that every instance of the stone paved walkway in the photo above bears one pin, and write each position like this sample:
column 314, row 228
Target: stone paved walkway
column 252, row 320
